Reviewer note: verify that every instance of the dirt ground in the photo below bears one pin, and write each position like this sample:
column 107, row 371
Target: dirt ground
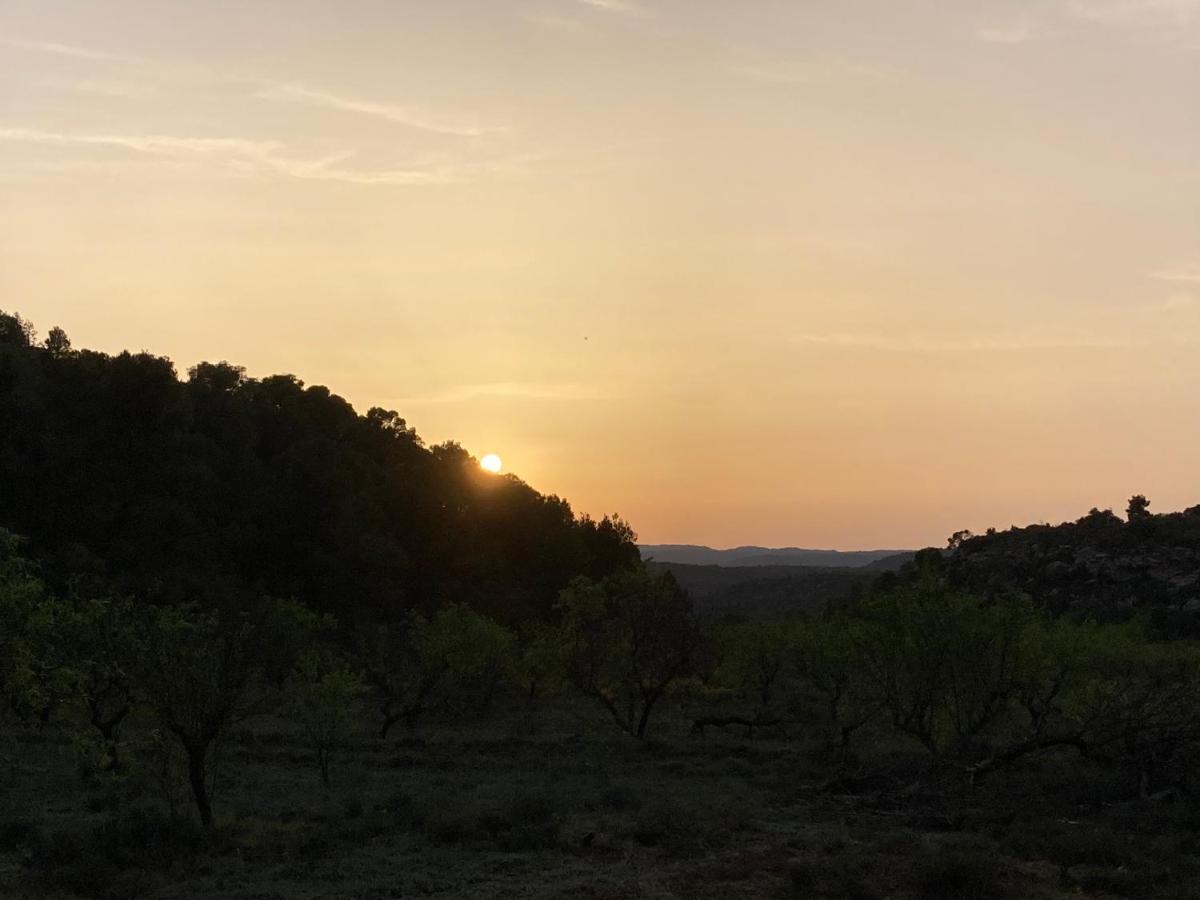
column 549, row 801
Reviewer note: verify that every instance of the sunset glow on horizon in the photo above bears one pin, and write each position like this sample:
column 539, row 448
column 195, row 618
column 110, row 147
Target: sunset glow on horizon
column 820, row 275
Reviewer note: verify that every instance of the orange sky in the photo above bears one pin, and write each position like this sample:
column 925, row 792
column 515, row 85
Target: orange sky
column 848, row 275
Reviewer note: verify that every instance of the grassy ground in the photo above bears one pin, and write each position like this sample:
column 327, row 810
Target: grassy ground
column 550, row 801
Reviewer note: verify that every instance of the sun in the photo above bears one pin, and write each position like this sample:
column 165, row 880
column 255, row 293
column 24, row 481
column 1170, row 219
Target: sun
column 491, row 463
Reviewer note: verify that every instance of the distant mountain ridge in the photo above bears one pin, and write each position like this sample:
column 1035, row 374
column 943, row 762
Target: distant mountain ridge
column 698, row 555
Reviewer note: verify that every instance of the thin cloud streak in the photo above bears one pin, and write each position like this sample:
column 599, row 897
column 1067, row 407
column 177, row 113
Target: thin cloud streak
column 1021, row 31
column 1178, row 301
column 146, row 143
column 411, row 117
column 551, row 22
column 506, row 389
column 1188, row 272
column 620, row 7
column 790, row 72
column 125, row 90
column 57, row 49
column 242, row 154
column 924, row 344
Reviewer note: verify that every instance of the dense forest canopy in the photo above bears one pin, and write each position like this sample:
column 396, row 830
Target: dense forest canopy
column 219, row 488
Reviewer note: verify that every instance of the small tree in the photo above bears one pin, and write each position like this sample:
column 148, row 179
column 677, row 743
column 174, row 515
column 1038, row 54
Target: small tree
column 1138, row 509
column 826, row 657
column 1136, row 702
column 475, row 651
column 538, row 660
column 195, row 670
column 34, row 673
column 103, row 639
column 400, row 670
column 625, row 640
column 944, row 665
column 751, row 665
column 323, row 696
column 1111, row 694
column 57, row 342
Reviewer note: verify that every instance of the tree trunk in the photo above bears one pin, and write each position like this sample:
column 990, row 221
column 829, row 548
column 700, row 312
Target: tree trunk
column 197, row 778
column 388, row 722
column 108, row 731
column 323, row 762
column 644, row 720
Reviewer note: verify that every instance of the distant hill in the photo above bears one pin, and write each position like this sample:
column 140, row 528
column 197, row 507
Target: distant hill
column 765, row 591
column 1100, row 566
column 695, row 555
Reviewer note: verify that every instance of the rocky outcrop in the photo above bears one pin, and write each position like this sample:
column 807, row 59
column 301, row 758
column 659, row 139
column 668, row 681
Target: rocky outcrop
column 1101, row 566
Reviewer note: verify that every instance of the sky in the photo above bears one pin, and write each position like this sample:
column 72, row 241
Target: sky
column 843, row 274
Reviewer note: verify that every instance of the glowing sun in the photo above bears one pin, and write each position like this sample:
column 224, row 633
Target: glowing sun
column 491, row 463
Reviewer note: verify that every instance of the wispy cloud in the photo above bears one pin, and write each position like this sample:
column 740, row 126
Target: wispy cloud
column 57, row 49
column 410, row 116
column 1015, row 31
column 1179, row 300
column 927, row 344
column 620, row 7
column 104, row 87
column 250, row 156
column 554, row 22
column 1187, row 271
column 505, row 389
column 146, row 143
column 150, row 71
column 806, row 72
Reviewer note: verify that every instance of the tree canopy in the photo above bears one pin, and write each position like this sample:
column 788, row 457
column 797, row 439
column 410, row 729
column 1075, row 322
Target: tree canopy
column 219, row 488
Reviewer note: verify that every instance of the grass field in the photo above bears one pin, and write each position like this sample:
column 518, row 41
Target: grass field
column 548, row 801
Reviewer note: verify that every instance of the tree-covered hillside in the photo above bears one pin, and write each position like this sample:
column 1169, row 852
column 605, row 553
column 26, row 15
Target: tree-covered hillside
column 221, row 488
column 1100, row 567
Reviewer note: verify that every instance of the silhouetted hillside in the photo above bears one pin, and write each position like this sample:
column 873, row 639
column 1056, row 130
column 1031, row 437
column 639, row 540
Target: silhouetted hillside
column 692, row 554
column 1100, row 566
column 221, row 488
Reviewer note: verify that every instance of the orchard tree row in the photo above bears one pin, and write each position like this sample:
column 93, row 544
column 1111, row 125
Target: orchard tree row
column 978, row 684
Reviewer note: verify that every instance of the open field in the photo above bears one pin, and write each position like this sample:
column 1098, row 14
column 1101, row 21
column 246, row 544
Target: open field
column 548, row 801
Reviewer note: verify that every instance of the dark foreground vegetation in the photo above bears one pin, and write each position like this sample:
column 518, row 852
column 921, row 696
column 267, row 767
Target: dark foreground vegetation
column 255, row 645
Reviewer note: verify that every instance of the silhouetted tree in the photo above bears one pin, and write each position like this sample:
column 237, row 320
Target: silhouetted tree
column 1138, row 509
column 196, row 670
column 625, row 639
column 15, row 330
column 324, row 692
